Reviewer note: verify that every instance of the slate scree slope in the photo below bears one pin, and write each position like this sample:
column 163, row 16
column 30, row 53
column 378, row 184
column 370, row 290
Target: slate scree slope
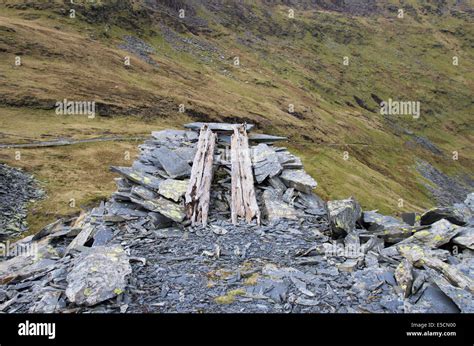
column 215, row 218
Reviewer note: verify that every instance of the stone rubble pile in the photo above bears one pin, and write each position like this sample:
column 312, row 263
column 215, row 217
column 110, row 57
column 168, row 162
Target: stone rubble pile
column 139, row 252
column 17, row 189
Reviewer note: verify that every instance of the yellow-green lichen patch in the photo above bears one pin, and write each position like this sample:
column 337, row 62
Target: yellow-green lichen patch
column 229, row 298
column 252, row 279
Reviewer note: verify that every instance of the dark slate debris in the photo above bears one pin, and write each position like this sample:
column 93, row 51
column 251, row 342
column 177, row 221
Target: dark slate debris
column 17, row 189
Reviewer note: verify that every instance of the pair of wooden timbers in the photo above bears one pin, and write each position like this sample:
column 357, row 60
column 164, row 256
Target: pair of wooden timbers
column 243, row 198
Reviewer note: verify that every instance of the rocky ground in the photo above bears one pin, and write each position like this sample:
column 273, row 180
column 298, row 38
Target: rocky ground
column 17, row 189
column 137, row 252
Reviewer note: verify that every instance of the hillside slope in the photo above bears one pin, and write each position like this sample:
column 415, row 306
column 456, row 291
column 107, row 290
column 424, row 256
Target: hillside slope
column 291, row 79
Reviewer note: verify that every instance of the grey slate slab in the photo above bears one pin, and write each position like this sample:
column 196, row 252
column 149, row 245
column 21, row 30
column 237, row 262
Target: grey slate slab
column 138, row 176
column 174, row 165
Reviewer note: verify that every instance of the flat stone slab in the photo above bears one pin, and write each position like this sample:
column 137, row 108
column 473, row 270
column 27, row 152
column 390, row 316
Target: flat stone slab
column 186, row 153
column 440, row 233
column 288, row 160
column 173, row 189
column 174, row 135
column 265, row 162
column 448, row 213
column 138, row 177
column 152, row 201
column 219, row 127
column 171, row 210
column 174, row 165
column 465, row 238
column 298, row 179
column 275, row 208
column 98, row 275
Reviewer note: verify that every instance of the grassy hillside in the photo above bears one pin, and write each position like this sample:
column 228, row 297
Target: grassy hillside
column 335, row 123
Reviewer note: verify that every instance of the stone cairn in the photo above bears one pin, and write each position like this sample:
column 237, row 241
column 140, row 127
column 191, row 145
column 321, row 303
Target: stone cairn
column 218, row 171
column 219, row 201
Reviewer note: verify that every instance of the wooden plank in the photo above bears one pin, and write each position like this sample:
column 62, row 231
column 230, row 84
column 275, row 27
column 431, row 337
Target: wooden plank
column 244, row 201
column 198, row 193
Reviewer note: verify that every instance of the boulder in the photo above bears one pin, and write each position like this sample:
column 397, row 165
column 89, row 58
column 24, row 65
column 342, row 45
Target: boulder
column 344, row 214
column 98, row 275
column 409, row 218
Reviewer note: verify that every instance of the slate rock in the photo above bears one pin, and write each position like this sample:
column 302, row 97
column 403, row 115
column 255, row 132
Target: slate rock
column 462, row 298
column 436, row 214
column 174, row 165
column 275, row 208
column 409, row 218
column 465, row 238
column 469, row 201
column 277, row 185
column 173, row 211
column 374, row 221
column 265, row 162
column 217, row 127
column 313, row 203
column 348, row 266
column 173, row 189
column 186, row 153
column 158, row 220
column 404, row 276
column 432, row 300
column 298, row 179
column 277, row 290
column 344, row 214
column 440, row 233
column 102, row 236
column 396, row 233
column 288, row 160
column 138, row 177
column 48, row 304
column 98, row 275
